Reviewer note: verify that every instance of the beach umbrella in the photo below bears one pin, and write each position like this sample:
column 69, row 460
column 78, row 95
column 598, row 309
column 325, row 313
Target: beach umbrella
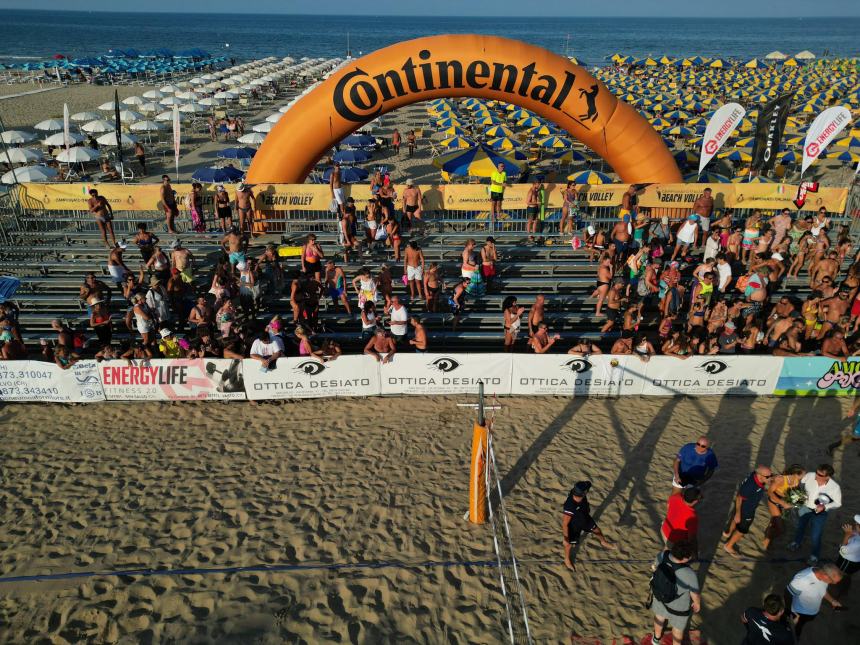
column 718, row 62
column 49, row 125
column 351, row 156
column 217, row 175
column 110, row 106
column 542, row 130
column 447, row 123
column 686, row 158
column 843, row 156
column 109, row 139
column 188, row 96
column 574, row 60
column 529, row 122
column 567, row 156
column 17, row 136
column 171, row 100
column 348, row 174
column 752, row 63
column 78, row 154
column 805, row 55
column 554, row 142
column 519, row 113
column 758, row 179
column 735, row 155
column 58, row 139
column 98, row 126
column 680, row 131
column 253, row 138
column 227, row 96
column 776, row 55
column 85, row 116
column 167, row 116
column 847, row 142
column 274, row 118
column 210, row 102
column 676, row 114
column 145, row 126
column 744, row 142
column 590, row 177
column 29, row 174
column 788, row 157
column 149, row 108
column 706, row 178
column 453, row 131
column 479, row 161
column 790, row 63
column 658, row 123
column 503, row 143
column 153, row 94
column 358, row 141
column 488, row 120
column 24, row 155
column 133, row 100
column 457, row 143
column 192, row 108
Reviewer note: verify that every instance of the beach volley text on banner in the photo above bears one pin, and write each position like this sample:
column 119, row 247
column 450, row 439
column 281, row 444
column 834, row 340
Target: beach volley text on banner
column 177, row 379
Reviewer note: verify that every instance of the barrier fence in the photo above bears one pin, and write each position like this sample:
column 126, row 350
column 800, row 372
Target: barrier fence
column 428, row 375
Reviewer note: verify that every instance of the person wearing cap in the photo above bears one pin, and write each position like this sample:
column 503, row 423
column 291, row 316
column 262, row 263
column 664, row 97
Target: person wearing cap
column 498, row 180
column 577, row 520
column 235, row 246
column 267, row 350
column 169, row 345
column 749, row 495
column 157, row 300
column 728, row 339
column 223, row 208
column 411, row 202
column 245, row 205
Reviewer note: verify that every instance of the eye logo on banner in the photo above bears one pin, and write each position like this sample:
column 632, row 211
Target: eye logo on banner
column 445, row 364
column 713, row 367
column 578, row 365
column 311, row 368
column 823, row 130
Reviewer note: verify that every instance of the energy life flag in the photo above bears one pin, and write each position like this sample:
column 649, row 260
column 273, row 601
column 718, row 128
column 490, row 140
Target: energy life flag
column 823, row 130
column 66, row 126
column 725, row 120
column 768, row 132
column 176, row 138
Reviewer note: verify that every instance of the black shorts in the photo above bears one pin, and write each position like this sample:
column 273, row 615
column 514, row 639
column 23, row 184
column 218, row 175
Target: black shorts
column 532, row 211
column 411, row 209
column 225, row 212
column 575, row 530
column 496, row 197
column 744, row 525
column 846, row 566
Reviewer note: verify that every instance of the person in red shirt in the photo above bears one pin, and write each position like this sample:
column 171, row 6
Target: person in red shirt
column 682, row 521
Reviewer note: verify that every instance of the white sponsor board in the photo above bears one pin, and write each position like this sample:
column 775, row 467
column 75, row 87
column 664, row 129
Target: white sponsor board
column 823, row 130
column 46, row 382
column 305, row 378
column 712, row 375
column 429, row 374
column 568, row 375
column 725, row 120
column 178, row 379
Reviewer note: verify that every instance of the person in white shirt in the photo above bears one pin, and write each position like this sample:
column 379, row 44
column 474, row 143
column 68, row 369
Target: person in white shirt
column 399, row 320
column 724, row 273
column 849, row 553
column 806, row 591
column 687, row 236
column 823, row 494
column 712, row 245
column 267, row 350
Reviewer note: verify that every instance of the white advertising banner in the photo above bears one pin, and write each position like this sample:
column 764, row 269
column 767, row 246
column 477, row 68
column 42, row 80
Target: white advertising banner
column 568, row 375
column 712, row 375
column 725, row 120
column 178, row 379
column 306, row 378
column 823, row 130
column 430, row 374
column 46, row 382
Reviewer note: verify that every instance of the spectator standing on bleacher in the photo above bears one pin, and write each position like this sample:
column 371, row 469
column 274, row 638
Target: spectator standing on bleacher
column 168, row 203
column 103, row 213
column 498, row 180
column 183, row 261
column 116, row 265
column 140, row 153
column 145, row 241
column 245, row 205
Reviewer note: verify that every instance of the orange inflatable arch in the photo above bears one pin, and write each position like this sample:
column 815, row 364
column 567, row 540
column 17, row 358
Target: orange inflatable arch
column 463, row 65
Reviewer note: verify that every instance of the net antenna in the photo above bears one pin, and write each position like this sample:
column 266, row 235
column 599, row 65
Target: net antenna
column 516, row 610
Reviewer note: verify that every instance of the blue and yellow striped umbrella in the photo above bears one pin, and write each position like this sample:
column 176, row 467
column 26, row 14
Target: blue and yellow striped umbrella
column 843, row 156
column 590, row 177
column 457, row 143
column 568, row 156
column 706, row 178
column 499, row 131
column 735, row 155
column 490, row 119
column 529, row 122
column 542, row 130
column 847, row 142
column 554, row 141
column 519, row 113
column 680, row 131
column 448, row 122
column 789, row 156
column 758, row 179
column 479, row 161
column 454, row 131
column 503, row 143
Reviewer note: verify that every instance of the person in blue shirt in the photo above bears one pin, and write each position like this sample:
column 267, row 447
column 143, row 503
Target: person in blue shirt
column 694, row 464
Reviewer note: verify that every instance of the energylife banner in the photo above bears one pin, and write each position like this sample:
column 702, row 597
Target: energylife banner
column 176, row 379
column 49, row 383
column 306, row 378
column 823, row 130
column 466, row 197
column 431, row 374
column 711, row 375
column 725, row 120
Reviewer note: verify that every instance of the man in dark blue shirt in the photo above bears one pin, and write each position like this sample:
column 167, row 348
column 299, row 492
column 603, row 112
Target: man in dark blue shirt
column 750, row 493
column 694, row 464
column 768, row 625
column 577, row 519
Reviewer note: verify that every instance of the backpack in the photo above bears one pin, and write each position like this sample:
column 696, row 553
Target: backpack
column 664, row 582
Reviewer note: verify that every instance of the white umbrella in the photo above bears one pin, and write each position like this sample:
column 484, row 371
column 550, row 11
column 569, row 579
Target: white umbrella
column 59, row 139
column 777, row 55
column 108, row 107
column 129, row 115
column 274, row 118
column 49, row 125
column 171, row 100
column 133, row 100
column 17, row 136
column 78, row 154
column 192, row 108
column 153, row 94
column 146, row 126
column 23, row 155
column 85, row 116
column 149, row 108
column 226, row 95
column 167, row 115
column 254, row 138
column 29, row 173
column 805, row 55
column 168, row 89
column 189, row 96
column 265, row 126
column 98, row 126
column 210, row 101
column 109, row 139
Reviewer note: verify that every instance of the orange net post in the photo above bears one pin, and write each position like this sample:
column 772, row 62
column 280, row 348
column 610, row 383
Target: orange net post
column 478, row 475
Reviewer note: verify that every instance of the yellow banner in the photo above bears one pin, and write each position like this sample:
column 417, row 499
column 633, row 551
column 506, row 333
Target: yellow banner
column 455, row 197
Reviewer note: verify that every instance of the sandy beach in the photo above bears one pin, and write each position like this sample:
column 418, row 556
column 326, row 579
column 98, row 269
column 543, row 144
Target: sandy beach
column 113, row 487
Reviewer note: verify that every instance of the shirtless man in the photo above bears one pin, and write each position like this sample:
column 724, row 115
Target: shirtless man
column 834, row 346
column 102, row 211
column 604, row 279
column 245, row 206
column 628, row 202
column 780, row 225
column 835, row 308
column 419, row 339
column 533, row 198
column 704, row 208
column 182, row 260
column 536, row 315
column 614, row 301
column 620, row 237
column 381, row 347
column 335, row 284
column 541, row 341
column 168, row 203
column 827, row 266
column 413, row 267
column 235, row 245
column 489, row 257
column 411, row 202
column 584, row 348
column 336, row 187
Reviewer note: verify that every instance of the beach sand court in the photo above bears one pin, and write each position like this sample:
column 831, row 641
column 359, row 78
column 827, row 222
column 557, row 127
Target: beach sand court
column 112, row 487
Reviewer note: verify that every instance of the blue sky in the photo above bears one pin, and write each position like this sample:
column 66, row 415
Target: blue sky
column 570, row 8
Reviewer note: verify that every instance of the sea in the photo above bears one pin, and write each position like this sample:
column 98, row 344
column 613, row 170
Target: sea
column 37, row 35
